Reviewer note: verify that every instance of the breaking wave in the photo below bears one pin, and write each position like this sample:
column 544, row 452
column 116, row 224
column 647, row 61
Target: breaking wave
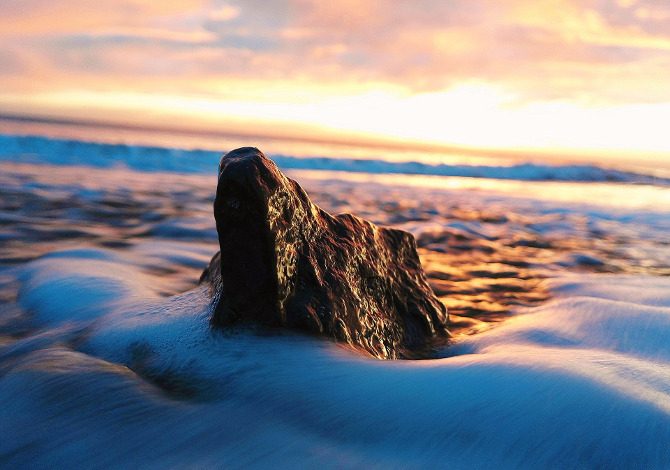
column 33, row 149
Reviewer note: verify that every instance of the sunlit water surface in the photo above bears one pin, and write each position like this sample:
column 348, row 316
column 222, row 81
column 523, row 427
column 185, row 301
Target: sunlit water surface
column 107, row 358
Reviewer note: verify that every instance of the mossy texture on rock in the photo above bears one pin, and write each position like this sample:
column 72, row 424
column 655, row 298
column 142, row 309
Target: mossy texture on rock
column 285, row 262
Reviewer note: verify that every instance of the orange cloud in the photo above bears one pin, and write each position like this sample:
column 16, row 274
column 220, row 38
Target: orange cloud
column 538, row 49
column 309, row 54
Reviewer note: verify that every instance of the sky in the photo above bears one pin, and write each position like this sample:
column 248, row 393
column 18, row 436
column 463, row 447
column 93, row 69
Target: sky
column 557, row 76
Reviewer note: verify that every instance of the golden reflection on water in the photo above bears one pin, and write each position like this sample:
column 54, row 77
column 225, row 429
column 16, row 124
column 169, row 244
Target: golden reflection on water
column 484, row 254
column 636, row 196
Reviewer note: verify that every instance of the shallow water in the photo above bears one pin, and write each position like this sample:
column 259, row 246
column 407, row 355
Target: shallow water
column 484, row 250
column 105, row 341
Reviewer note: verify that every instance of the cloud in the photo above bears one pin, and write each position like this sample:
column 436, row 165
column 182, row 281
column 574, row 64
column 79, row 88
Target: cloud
column 585, row 50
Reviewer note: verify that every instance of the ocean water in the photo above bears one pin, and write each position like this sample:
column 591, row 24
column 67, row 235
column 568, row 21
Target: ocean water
column 557, row 279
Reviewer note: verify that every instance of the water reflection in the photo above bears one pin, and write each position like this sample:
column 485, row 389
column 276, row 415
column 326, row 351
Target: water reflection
column 486, row 253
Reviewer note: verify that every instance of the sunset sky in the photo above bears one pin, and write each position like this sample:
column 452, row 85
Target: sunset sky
column 566, row 76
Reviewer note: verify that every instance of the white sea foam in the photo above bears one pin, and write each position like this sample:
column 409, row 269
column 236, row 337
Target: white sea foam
column 582, row 381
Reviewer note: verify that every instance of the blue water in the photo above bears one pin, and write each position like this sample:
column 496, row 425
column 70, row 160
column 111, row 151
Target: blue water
column 107, row 358
column 36, row 149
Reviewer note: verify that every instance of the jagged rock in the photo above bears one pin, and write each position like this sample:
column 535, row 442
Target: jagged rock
column 286, row 262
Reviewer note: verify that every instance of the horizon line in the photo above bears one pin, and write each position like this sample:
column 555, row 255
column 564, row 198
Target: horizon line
column 340, row 139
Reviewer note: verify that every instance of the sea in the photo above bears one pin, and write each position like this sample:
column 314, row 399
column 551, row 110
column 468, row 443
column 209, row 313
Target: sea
column 556, row 276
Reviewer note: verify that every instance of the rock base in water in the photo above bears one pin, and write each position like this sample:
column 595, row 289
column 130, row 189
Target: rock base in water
column 285, row 262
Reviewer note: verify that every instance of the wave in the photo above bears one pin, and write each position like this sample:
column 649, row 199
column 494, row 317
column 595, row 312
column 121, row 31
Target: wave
column 118, row 374
column 36, row 149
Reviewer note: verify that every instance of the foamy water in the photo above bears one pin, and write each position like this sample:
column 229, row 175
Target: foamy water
column 581, row 381
column 559, row 292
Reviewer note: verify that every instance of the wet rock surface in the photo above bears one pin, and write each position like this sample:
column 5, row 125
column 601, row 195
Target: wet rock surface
column 284, row 262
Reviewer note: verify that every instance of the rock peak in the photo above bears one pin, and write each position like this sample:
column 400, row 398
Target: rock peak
column 284, row 262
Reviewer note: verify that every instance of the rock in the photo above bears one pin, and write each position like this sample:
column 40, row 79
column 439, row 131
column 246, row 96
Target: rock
column 284, row 262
